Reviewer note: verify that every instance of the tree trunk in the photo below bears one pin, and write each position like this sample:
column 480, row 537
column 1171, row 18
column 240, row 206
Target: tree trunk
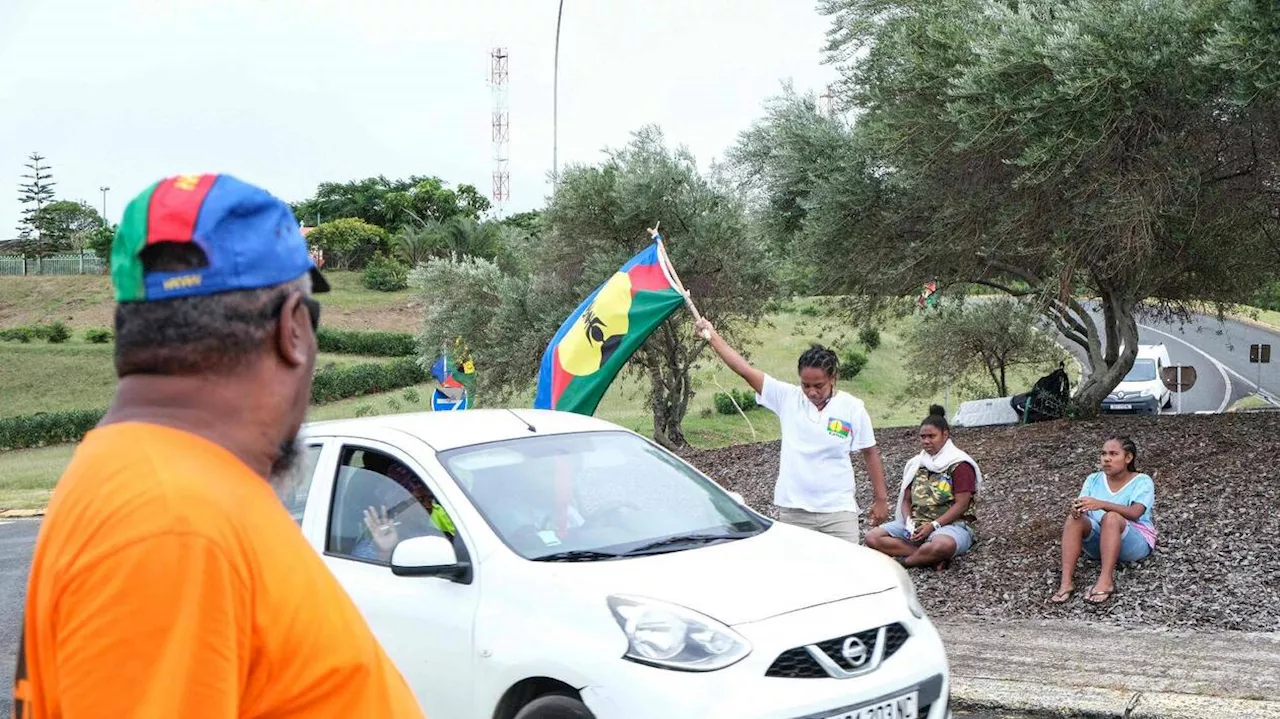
column 1118, row 360
column 669, row 387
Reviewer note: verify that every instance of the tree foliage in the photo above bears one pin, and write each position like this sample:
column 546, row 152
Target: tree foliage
column 66, row 225
column 508, row 309
column 976, row 343
column 34, row 194
column 392, row 204
column 1046, row 149
column 349, row 243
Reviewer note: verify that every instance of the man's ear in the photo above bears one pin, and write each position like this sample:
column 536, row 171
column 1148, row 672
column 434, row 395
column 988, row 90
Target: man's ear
column 293, row 332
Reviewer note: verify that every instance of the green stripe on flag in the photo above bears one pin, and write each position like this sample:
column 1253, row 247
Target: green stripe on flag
column 648, row 311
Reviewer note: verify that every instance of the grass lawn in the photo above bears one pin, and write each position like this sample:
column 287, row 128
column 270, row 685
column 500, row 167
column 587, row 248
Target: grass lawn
column 85, row 301
column 40, row 377
column 1270, row 318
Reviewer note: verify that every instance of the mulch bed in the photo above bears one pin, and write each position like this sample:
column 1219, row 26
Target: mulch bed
column 1217, row 558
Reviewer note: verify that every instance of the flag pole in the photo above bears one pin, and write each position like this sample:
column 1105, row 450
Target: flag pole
column 693, row 309
column 671, row 269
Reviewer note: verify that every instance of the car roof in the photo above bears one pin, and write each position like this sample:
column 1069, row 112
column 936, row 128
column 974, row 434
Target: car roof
column 1150, row 351
column 447, row 430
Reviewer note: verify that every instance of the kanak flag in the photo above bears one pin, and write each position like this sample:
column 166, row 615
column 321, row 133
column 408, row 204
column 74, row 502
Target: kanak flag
column 595, row 341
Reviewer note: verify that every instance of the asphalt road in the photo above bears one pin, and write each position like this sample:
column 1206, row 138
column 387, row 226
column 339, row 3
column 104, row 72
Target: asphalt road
column 1219, row 351
column 17, row 537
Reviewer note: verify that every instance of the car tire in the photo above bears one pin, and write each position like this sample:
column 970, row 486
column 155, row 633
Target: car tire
column 555, row 706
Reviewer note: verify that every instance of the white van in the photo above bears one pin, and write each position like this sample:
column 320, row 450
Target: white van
column 1142, row 391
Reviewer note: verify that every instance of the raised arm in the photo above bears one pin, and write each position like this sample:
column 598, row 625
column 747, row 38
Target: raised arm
column 730, row 356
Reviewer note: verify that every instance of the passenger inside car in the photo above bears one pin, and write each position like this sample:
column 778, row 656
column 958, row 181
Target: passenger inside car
column 393, row 504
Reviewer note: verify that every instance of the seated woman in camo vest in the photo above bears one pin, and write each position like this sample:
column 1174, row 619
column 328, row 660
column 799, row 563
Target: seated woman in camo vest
column 937, row 505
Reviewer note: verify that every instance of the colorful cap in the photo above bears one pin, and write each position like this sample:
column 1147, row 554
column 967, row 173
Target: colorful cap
column 250, row 238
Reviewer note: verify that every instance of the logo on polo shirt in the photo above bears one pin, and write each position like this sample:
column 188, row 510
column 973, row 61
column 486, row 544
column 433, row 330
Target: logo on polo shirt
column 839, row 428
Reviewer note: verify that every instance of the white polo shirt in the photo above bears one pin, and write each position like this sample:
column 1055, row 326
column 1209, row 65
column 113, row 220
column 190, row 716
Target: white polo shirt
column 815, row 471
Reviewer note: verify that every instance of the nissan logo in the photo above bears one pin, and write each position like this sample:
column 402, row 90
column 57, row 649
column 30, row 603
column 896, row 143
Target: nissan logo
column 855, row 652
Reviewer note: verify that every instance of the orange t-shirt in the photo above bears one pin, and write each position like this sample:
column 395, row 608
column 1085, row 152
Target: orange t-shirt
column 169, row 581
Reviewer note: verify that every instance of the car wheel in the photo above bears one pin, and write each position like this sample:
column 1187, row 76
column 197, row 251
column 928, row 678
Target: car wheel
column 555, row 706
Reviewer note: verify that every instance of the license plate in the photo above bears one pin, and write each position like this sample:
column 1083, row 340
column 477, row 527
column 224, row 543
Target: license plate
column 903, row 707
column 1121, row 406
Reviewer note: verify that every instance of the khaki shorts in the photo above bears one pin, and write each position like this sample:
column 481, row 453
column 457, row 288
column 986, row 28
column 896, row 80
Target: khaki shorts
column 843, row 525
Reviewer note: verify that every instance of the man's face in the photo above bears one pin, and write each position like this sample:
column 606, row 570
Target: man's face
column 297, row 347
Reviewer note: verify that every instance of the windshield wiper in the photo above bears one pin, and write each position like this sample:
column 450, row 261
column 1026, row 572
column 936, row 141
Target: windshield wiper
column 679, row 539
column 577, row 555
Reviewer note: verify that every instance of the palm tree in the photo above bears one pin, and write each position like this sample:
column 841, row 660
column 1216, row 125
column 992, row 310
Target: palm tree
column 415, row 245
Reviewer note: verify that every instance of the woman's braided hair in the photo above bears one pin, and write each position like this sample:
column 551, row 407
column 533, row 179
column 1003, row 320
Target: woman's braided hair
column 820, row 357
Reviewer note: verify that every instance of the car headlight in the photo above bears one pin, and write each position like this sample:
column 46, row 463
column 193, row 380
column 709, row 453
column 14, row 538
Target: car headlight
column 909, row 589
column 667, row 635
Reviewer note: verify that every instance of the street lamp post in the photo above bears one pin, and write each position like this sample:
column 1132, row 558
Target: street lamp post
column 555, row 102
column 104, row 189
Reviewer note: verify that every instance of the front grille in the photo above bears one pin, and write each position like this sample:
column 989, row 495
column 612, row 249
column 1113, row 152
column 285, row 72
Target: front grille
column 799, row 663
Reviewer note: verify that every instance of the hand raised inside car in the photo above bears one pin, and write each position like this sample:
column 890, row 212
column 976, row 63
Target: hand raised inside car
column 381, row 528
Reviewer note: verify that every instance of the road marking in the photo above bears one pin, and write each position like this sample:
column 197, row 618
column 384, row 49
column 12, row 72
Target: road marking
column 1222, row 369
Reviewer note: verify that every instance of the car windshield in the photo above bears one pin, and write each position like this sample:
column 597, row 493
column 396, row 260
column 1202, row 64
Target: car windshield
column 1143, row 370
column 595, row 496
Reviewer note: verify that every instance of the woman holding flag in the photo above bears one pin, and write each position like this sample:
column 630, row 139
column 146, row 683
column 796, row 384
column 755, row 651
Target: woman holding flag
column 821, row 427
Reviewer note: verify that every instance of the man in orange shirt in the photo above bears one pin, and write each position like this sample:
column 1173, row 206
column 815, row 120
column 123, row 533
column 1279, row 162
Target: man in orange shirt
column 168, row 579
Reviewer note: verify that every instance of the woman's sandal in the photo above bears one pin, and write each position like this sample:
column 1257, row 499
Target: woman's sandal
column 1106, row 596
column 1061, row 597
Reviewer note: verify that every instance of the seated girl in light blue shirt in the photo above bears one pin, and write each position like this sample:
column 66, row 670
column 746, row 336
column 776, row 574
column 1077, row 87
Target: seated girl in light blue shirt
column 1110, row 521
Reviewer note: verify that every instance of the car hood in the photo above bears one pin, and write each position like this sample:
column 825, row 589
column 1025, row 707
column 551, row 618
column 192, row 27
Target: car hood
column 784, row 569
column 1134, row 388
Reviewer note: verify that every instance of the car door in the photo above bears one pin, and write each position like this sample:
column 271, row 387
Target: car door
column 423, row 623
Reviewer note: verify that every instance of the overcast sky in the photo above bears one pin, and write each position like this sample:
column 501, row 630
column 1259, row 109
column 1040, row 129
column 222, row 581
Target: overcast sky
column 290, row 93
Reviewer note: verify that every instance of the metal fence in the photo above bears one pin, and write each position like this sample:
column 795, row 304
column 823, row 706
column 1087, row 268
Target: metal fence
column 65, row 263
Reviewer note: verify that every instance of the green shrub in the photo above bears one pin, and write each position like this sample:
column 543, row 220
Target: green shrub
column 357, row 342
column 411, row 396
column 44, row 428
column 56, row 333
column 724, row 405
column 338, row 383
column 810, row 311
column 99, row 336
column 870, row 338
column 852, row 363
column 364, row 410
column 384, row 274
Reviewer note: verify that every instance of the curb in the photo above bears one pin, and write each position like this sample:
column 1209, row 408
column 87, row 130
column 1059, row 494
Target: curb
column 1045, row 700
column 20, row 513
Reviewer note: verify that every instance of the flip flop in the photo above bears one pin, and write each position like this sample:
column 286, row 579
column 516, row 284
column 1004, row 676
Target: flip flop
column 1106, row 596
column 1065, row 596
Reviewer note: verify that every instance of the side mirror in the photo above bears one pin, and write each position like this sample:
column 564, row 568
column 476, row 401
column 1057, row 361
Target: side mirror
column 738, row 498
column 429, row 556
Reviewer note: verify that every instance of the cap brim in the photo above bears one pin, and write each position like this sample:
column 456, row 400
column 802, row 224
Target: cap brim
column 318, row 282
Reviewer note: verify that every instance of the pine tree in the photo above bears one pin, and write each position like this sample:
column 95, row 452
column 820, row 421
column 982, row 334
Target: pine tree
column 35, row 193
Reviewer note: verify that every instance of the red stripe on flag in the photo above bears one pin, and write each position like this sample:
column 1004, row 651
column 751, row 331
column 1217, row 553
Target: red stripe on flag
column 559, row 379
column 648, row 278
column 175, row 206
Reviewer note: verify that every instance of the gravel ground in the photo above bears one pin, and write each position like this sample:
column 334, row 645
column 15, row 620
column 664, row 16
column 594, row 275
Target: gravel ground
column 1216, row 563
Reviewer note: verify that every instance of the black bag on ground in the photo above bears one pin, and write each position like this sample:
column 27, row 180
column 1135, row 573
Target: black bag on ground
column 1048, row 398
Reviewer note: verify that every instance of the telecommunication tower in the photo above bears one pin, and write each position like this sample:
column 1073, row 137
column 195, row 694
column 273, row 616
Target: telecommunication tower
column 501, row 132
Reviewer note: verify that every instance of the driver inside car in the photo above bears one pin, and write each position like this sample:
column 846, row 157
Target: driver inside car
column 406, row 509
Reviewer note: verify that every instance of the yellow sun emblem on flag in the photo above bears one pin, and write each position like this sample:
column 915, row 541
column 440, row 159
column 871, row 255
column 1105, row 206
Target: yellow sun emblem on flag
column 598, row 331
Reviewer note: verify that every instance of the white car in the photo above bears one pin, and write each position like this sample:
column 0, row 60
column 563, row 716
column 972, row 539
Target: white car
column 1142, row 389
column 549, row 564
